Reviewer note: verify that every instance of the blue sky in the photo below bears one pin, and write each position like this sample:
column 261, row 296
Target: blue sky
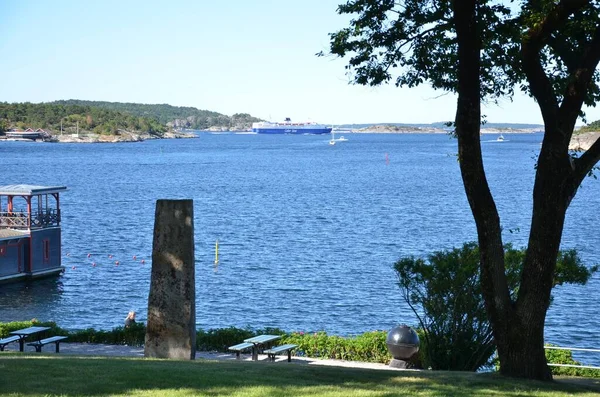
column 236, row 56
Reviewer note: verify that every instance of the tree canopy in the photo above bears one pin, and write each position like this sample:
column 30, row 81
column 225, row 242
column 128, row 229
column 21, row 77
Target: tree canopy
column 414, row 42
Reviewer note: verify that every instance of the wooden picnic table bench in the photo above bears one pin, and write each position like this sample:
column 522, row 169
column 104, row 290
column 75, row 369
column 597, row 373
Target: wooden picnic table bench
column 6, row 341
column 260, row 342
column 53, row 339
column 280, row 349
column 25, row 332
column 240, row 348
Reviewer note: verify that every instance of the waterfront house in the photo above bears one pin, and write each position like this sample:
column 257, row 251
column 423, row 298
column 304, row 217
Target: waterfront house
column 28, row 134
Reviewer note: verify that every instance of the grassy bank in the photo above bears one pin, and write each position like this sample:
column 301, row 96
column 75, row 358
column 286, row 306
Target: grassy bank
column 42, row 375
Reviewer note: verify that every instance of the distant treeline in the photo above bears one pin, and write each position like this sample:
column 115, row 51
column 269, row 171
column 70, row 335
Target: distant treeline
column 173, row 116
column 50, row 116
column 110, row 117
column 591, row 127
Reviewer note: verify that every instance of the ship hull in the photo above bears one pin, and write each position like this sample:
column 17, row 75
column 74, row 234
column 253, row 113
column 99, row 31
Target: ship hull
column 291, row 130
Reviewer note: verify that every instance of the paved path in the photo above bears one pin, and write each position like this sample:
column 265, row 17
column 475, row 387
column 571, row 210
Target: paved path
column 91, row 349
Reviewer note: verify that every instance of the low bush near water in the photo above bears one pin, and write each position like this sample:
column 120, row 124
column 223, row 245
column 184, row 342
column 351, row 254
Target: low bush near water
column 554, row 356
column 133, row 335
column 444, row 292
column 220, row 339
column 367, row 347
column 7, row 328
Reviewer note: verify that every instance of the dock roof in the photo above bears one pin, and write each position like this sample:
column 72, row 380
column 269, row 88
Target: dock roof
column 29, row 190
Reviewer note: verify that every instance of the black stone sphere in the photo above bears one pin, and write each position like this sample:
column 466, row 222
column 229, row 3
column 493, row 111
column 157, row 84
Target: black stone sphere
column 402, row 342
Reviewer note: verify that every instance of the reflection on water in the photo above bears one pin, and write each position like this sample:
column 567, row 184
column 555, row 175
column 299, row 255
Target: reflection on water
column 25, row 300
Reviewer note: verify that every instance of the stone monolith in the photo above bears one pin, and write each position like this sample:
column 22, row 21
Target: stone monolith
column 171, row 328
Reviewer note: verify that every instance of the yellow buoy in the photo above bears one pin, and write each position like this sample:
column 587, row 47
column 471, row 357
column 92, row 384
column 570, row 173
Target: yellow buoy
column 217, row 252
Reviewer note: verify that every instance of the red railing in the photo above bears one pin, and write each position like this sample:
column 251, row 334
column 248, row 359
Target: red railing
column 21, row 220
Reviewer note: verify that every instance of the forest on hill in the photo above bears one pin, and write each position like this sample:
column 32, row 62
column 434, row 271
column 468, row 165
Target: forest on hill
column 174, row 116
column 110, row 117
column 71, row 118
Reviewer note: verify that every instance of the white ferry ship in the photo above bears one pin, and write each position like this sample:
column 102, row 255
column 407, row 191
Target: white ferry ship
column 289, row 127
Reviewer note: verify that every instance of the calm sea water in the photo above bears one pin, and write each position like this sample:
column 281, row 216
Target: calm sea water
column 308, row 232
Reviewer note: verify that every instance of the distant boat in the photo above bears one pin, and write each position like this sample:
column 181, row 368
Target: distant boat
column 500, row 138
column 287, row 127
column 333, row 141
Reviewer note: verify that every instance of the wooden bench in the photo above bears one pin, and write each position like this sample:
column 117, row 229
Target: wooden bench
column 280, row 349
column 6, row 341
column 53, row 339
column 240, row 348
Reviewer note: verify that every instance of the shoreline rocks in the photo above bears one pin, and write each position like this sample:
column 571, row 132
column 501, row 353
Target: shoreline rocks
column 396, row 129
column 582, row 142
column 123, row 136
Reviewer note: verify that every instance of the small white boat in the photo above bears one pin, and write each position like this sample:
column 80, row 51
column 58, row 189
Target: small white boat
column 333, row 141
column 500, row 138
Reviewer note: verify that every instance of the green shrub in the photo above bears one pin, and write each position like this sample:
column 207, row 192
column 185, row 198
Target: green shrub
column 444, row 293
column 133, row 335
column 220, row 339
column 554, row 356
column 367, row 347
column 7, row 328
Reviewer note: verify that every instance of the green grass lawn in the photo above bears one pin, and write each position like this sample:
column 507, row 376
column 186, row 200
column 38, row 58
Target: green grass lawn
column 51, row 374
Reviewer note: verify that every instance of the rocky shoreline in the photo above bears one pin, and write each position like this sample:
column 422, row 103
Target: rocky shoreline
column 123, row 136
column 396, row 129
column 579, row 142
column 582, row 142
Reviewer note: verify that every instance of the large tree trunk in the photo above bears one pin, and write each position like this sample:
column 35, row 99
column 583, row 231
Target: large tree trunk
column 518, row 327
column 521, row 349
column 518, row 333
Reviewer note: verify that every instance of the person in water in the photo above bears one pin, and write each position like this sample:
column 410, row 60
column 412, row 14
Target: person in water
column 130, row 319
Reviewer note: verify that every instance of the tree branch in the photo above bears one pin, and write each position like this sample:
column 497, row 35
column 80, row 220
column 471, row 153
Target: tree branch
column 468, row 118
column 585, row 163
column 536, row 38
column 576, row 91
column 409, row 40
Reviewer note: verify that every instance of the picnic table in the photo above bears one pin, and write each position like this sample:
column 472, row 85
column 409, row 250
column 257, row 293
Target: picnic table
column 259, row 342
column 25, row 332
